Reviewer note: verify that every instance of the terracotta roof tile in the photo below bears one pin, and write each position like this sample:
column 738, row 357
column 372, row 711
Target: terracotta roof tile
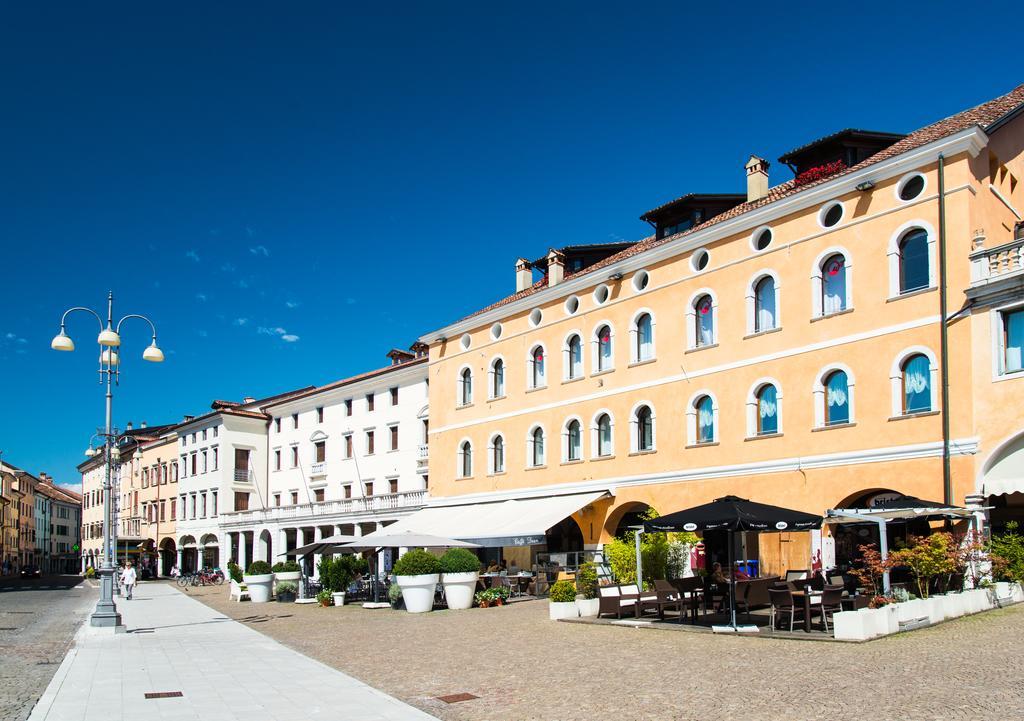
column 982, row 115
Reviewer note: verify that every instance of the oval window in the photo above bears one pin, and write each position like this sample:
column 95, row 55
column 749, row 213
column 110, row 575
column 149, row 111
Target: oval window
column 496, row 331
column 601, row 294
column 536, row 316
column 831, row 215
column 762, row 239
column 641, row 280
column 911, row 187
column 700, row 259
column 572, row 304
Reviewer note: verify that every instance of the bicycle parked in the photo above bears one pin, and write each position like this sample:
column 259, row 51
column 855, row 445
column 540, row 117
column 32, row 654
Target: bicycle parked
column 202, row 577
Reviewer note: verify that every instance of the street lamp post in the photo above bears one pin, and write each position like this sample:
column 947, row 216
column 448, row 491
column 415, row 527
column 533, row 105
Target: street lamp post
column 109, row 341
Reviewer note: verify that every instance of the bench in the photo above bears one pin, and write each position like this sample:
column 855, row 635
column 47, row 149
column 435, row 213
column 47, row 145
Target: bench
column 239, row 591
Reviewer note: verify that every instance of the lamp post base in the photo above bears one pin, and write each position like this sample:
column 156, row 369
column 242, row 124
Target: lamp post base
column 106, row 612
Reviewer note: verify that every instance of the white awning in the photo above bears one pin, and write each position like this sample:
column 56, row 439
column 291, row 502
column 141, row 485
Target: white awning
column 863, row 515
column 516, row 522
column 1006, row 473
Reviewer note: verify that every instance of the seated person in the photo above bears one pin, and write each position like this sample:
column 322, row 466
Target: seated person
column 716, row 575
column 513, row 568
column 740, row 575
column 502, row 567
column 493, row 568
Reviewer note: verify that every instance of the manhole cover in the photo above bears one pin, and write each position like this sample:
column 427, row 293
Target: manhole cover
column 457, row 697
column 164, row 694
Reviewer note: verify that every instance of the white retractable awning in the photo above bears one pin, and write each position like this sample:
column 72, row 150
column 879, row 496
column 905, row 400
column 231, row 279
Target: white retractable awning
column 516, row 522
column 862, row 515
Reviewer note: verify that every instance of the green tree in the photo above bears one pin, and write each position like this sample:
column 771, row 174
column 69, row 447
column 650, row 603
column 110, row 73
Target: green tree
column 1006, row 552
column 655, row 552
column 927, row 557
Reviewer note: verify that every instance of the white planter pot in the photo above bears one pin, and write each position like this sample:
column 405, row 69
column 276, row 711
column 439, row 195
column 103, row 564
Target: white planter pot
column 560, row 610
column 259, row 587
column 849, row 626
column 418, row 591
column 892, row 619
column 288, row 576
column 1003, row 592
column 911, row 610
column 936, row 612
column 874, row 622
column 956, row 605
column 1016, row 592
column 588, row 607
column 459, row 589
column 339, row 598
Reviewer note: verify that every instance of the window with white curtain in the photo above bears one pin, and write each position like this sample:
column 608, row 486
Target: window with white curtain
column 644, row 338
column 574, row 359
column 767, row 410
column 837, row 399
column 833, row 284
column 573, row 441
column 917, row 382
column 1013, row 340
column 604, row 348
column 604, row 435
column 705, row 419
column 537, row 447
column 705, row 321
column 537, row 376
column 764, row 304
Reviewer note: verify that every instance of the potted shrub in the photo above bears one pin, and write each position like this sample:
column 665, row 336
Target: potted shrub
column 336, row 573
column 460, row 569
column 286, row 591
column 235, row 572
column 259, row 579
column 395, row 597
column 324, row 598
column 287, row 571
column 586, row 582
column 417, row 572
column 562, row 597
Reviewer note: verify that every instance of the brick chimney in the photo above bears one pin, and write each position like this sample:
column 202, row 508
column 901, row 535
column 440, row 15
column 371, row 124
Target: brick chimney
column 556, row 267
column 757, row 178
column 524, row 274
column 248, row 399
column 142, row 425
column 128, row 426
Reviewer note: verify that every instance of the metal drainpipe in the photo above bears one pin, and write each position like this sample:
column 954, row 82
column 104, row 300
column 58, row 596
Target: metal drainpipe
column 947, row 481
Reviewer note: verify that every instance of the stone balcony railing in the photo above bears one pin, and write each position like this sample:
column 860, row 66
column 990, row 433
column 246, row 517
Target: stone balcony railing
column 989, row 264
column 318, row 469
column 389, row 502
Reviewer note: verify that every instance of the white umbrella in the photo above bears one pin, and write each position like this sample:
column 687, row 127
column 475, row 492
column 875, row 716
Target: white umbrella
column 320, row 546
column 402, row 539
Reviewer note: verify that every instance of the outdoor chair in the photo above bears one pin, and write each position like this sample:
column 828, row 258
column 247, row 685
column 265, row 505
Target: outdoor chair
column 754, row 593
column 841, row 582
column 782, row 602
column 632, row 590
column 817, row 581
column 667, row 597
column 610, row 600
column 794, row 576
column 239, row 591
column 831, row 601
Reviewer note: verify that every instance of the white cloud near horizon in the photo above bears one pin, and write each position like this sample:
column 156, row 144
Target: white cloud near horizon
column 192, row 255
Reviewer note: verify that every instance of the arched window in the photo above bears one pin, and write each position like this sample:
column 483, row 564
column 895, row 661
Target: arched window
column 604, row 348
column 573, row 441
column 498, row 378
column 764, row 305
column 705, row 321
column 644, row 345
column 837, row 399
column 833, row 284
column 913, row 259
column 465, row 387
column 574, row 358
column 466, row 459
column 705, row 419
column 537, row 447
column 498, row 455
column 644, row 429
column 916, row 384
column 604, row 435
column 767, row 410
column 537, row 377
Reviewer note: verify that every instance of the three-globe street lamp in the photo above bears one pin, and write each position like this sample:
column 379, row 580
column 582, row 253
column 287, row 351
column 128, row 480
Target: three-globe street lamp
column 109, row 341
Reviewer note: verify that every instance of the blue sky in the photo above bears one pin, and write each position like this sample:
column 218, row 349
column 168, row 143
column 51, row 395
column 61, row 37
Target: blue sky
column 290, row 190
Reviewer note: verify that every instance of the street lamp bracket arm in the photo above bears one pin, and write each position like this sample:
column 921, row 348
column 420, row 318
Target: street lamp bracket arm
column 69, row 311
column 152, row 327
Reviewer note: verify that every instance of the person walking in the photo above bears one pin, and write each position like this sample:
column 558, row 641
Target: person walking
column 128, row 580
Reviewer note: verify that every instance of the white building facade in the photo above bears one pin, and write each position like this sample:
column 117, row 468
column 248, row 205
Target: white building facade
column 345, row 458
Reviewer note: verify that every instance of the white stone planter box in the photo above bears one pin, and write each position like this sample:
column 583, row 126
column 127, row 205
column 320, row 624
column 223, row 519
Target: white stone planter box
column 561, row 610
column 889, row 620
column 911, row 610
column 588, row 607
column 1016, row 592
column 288, row 576
column 418, row 591
column 936, row 611
column 956, row 604
column 874, row 622
column 259, row 587
column 849, row 626
column 459, row 589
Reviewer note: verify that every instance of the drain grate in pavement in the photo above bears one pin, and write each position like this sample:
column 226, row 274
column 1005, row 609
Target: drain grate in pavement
column 457, row 697
column 8, row 628
column 143, row 630
column 164, row 694
column 25, row 612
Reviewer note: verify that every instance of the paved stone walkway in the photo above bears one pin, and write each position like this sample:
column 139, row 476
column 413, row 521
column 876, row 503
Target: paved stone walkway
column 525, row 667
column 224, row 671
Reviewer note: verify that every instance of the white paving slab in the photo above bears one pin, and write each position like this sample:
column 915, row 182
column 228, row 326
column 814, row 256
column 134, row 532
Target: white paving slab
column 225, row 670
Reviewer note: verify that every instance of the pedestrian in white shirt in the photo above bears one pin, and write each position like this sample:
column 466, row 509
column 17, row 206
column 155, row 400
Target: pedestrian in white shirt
column 128, row 580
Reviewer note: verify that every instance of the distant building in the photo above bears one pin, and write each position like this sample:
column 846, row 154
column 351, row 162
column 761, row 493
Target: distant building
column 58, row 527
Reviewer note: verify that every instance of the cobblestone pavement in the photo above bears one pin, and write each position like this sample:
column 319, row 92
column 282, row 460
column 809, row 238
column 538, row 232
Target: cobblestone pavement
column 523, row 666
column 38, row 619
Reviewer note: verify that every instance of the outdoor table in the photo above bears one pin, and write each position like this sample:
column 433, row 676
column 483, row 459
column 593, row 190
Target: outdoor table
column 807, row 598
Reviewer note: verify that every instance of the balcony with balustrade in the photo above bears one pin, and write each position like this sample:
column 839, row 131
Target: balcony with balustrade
column 997, row 271
column 423, row 458
column 337, row 511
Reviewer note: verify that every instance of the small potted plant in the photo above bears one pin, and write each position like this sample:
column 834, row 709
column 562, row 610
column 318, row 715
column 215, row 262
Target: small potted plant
column 460, row 569
column 287, row 571
column 395, row 597
column 586, row 582
column 417, row 573
column 483, row 598
column 259, row 579
column 562, row 597
column 286, row 591
column 324, row 598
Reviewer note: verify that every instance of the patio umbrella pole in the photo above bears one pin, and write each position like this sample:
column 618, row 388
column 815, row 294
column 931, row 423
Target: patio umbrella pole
column 732, row 582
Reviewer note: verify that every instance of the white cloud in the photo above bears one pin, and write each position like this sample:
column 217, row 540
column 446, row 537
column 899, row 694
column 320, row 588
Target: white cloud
column 291, row 304
column 260, row 250
column 191, row 254
column 10, row 336
column 201, row 297
column 248, row 231
column 203, row 333
column 350, row 301
column 22, row 340
column 242, row 283
column 289, row 338
column 263, row 330
column 228, row 267
column 241, row 321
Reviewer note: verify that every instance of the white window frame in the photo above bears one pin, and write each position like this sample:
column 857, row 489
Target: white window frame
column 752, row 304
column 461, row 401
column 818, row 393
column 999, row 372
column 492, row 468
column 893, row 253
column 595, row 444
column 491, row 375
column 752, row 409
column 691, row 319
column 896, row 380
column 634, row 428
column 531, row 379
column 565, row 439
column 595, row 355
column 530, row 458
column 567, row 356
column 817, row 281
column 634, row 337
column 691, row 418
column 461, row 460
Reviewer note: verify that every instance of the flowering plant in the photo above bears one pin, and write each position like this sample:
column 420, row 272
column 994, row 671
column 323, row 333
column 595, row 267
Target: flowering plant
column 820, row 171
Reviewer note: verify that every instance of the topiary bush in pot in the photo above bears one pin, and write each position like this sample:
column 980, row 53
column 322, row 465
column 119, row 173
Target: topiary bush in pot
column 459, row 560
column 417, row 563
column 460, row 569
column 586, row 583
column 417, row 573
column 563, row 600
column 286, row 567
column 234, row 572
column 258, row 568
column 259, row 579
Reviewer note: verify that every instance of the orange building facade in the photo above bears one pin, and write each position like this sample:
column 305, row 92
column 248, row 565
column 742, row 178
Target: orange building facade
column 787, row 348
